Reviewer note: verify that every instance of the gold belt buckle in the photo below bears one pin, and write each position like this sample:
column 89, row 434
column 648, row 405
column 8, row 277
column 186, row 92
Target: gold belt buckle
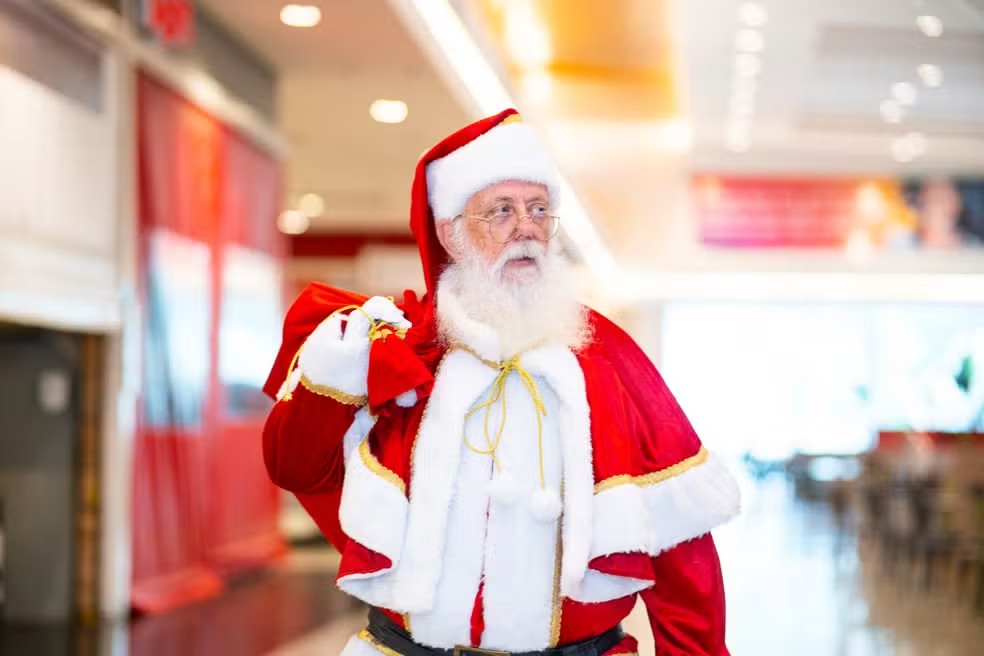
column 465, row 651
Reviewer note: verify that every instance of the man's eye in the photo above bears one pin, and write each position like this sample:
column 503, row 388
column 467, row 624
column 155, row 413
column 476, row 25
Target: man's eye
column 502, row 210
column 538, row 211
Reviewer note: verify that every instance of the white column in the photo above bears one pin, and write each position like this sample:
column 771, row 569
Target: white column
column 122, row 355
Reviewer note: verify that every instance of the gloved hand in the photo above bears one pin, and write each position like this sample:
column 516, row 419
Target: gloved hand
column 379, row 308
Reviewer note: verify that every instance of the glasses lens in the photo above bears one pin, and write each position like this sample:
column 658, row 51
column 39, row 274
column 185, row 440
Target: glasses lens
column 503, row 231
column 550, row 226
column 543, row 228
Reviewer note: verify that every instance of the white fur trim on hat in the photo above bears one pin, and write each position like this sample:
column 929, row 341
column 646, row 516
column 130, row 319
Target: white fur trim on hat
column 509, row 151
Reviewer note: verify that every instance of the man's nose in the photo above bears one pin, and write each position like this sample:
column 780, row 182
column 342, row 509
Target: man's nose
column 526, row 229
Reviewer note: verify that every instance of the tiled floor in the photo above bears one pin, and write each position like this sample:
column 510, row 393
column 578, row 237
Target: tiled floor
column 797, row 586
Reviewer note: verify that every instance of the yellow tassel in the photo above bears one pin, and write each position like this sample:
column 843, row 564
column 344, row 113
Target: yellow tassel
column 498, row 395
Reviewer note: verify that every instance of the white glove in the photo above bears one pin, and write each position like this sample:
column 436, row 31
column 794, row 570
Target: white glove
column 329, row 330
column 379, row 308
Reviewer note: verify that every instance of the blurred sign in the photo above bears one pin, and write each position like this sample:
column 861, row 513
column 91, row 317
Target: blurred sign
column 855, row 214
column 171, row 20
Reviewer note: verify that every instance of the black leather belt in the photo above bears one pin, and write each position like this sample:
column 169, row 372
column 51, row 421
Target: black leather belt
column 388, row 634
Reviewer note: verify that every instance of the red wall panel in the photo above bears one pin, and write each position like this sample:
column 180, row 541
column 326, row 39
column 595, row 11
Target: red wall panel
column 202, row 502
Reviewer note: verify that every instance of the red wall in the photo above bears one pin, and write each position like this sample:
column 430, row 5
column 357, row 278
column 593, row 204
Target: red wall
column 202, row 505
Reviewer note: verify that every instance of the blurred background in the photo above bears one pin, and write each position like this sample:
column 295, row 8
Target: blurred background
column 783, row 202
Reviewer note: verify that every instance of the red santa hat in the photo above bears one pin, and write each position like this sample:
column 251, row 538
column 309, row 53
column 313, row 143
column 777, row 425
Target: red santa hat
column 491, row 150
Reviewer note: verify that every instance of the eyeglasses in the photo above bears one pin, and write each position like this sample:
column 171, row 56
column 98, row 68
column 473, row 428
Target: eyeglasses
column 504, row 222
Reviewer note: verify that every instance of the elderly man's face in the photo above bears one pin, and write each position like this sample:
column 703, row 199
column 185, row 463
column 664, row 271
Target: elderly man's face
column 491, row 217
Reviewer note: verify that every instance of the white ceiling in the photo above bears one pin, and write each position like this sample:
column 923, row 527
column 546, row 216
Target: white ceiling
column 826, row 68
column 329, row 75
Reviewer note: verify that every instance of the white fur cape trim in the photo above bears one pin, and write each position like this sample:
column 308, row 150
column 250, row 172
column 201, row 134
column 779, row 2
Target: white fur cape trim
column 509, row 151
column 651, row 519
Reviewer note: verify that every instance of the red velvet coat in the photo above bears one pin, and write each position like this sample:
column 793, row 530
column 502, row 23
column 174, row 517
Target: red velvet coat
column 641, row 443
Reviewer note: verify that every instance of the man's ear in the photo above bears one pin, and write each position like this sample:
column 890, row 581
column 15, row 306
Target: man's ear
column 445, row 228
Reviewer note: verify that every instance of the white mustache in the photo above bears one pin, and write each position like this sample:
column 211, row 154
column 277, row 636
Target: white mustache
column 518, row 250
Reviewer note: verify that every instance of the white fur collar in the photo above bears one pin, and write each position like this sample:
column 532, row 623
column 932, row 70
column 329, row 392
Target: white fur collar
column 556, row 364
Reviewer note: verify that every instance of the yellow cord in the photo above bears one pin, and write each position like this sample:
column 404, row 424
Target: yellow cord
column 377, row 329
column 498, row 395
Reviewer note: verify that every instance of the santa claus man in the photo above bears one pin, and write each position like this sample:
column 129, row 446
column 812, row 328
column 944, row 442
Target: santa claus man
column 502, row 469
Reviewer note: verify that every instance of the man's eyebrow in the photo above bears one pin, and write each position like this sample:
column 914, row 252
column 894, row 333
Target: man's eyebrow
column 539, row 198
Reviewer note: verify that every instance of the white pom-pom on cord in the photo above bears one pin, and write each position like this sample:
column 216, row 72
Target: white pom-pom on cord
column 504, row 489
column 545, row 505
column 407, row 400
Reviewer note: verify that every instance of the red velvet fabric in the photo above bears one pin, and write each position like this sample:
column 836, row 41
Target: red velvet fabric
column 302, row 442
column 358, row 559
column 624, row 390
column 686, row 603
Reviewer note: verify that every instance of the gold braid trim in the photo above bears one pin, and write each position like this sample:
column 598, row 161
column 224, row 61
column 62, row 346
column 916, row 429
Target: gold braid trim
column 655, row 477
column 491, row 364
column 332, row 393
column 558, row 601
column 378, row 469
column 371, row 639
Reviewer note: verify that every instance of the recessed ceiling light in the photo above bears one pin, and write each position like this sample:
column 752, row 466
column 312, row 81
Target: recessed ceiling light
column 293, row 222
column 931, row 75
column 311, row 205
column 905, row 93
column 747, row 64
column 749, row 40
column 931, row 26
column 300, row 15
column 892, row 111
column 753, row 14
column 388, row 111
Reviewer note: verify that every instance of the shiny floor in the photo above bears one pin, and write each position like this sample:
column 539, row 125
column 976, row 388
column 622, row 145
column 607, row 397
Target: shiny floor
column 799, row 584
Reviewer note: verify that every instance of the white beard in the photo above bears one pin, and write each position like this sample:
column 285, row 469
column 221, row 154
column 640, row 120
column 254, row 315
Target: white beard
column 539, row 308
